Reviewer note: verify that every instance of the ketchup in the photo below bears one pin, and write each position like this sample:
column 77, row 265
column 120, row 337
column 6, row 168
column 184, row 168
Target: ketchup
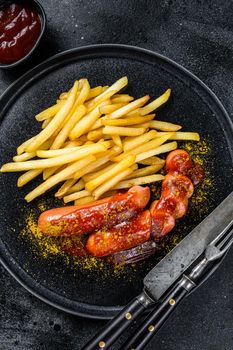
column 20, row 27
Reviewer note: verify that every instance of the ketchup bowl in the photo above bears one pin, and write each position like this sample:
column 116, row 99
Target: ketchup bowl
column 22, row 25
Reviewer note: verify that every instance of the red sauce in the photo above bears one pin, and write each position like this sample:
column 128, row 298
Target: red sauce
column 20, row 27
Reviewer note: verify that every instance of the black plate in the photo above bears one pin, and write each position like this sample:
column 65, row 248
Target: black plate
column 100, row 293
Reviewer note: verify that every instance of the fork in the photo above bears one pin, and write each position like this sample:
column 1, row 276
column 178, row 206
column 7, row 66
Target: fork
column 156, row 318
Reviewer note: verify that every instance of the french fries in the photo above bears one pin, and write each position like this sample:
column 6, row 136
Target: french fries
column 94, row 141
column 59, row 177
column 110, row 183
column 138, row 181
column 122, row 131
column 55, row 122
column 118, row 168
column 164, row 126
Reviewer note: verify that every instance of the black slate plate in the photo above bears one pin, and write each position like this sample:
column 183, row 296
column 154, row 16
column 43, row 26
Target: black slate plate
column 100, row 293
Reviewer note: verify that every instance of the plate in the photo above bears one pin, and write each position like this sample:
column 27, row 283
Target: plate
column 89, row 291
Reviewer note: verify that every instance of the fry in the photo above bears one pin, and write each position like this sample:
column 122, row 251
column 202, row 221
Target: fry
column 59, row 177
column 139, row 140
column 152, row 161
column 95, row 92
column 46, row 122
column 94, row 175
column 110, row 108
column 84, row 200
column 48, row 163
column 97, row 163
column 127, row 121
column 121, row 166
column 156, row 103
column 63, row 134
column 111, row 183
column 117, row 86
column 24, row 145
column 76, row 195
column 56, row 152
column 23, row 157
column 117, row 140
column 28, row 176
column 138, row 181
column 56, row 121
column 129, row 107
column 65, row 188
column 149, row 170
column 80, row 185
column 84, row 92
column 95, row 134
column 49, row 112
column 84, row 124
column 123, row 131
column 164, row 126
column 63, row 95
column 161, row 149
column 151, row 145
column 185, row 136
column 122, row 98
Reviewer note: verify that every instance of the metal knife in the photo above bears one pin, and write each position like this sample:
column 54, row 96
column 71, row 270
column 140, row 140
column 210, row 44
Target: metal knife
column 163, row 276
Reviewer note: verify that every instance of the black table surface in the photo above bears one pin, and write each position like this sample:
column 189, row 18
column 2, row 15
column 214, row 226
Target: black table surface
column 197, row 34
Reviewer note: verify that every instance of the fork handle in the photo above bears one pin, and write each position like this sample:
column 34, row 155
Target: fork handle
column 158, row 316
column 117, row 325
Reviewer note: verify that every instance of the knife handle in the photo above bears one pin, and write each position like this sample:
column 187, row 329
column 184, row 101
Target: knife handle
column 155, row 319
column 117, row 325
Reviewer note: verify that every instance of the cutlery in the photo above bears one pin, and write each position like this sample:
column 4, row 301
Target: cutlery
column 165, row 274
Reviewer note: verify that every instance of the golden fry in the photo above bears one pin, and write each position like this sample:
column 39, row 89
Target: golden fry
column 111, row 108
column 149, row 170
column 21, row 149
column 152, row 161
column 46, row 122
column 52, row 162
column 121, row 98
column 80, row 185
column 28, row 176
column 117, row 86
column 59, row 177
column 164, row 126
column 97, row 163
column 167, row 147
column 123, row 131
column 110, row 183
column 63, row 134
column 127, row 121
column 84, row 124
column 156, row 103
column 95, row 135
column 129, row 107
column 55, row 122
column 95, row 92
column 185, row 136
column 84, row 200
column 23, row 157
column 138, row 181
column 117, row 140
column 49, row 112
column 65, row 188
column 121, row 166
column 139, row 140
column 72, row 197
column 52, row 153
column 151, row 145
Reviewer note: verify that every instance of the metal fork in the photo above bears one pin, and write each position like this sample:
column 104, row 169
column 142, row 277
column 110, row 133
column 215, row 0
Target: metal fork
column 156, row 318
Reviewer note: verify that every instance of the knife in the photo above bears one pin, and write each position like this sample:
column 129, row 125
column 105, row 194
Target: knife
column 166, row 273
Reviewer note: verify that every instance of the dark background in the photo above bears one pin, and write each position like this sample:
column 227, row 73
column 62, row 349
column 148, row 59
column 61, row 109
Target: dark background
column 196, row 34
